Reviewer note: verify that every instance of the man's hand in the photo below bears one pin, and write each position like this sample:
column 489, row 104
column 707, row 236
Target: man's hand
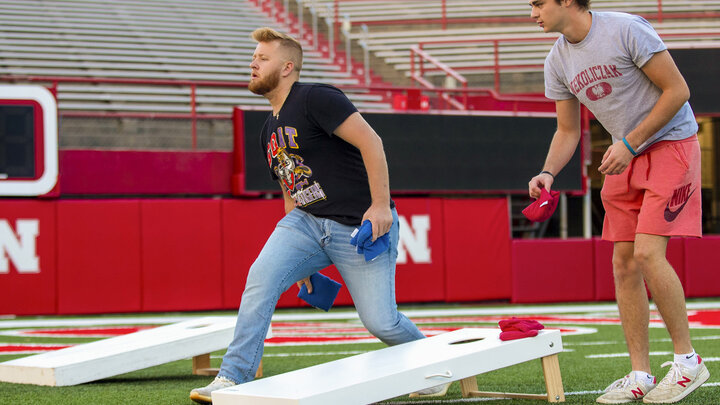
column 615, row 159
column 307, row 283
column 381, row 218
column 536, row 183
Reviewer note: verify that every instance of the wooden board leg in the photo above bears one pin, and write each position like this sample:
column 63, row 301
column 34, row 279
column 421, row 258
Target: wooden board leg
column 553, row 384
column 200, row 363
column 468, row 385
column 553, row 379
column 201, row 366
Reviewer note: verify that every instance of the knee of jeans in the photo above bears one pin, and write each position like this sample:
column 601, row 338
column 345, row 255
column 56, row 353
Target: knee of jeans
column 259, row 287
column 381, row 326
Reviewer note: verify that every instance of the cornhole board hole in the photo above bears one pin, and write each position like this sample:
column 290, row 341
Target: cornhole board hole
column 123, row 354
column 398, row 370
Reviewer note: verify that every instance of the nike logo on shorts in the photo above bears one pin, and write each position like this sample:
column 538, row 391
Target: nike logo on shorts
column 670, row 215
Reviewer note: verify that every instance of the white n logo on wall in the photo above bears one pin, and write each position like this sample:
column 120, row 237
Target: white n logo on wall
column 20, row 247
column 414, row 240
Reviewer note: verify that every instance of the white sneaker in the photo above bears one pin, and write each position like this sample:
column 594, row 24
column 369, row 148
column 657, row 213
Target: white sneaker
column 678, row 383
column 436, row 391
column 203, row 395
column 626, row 389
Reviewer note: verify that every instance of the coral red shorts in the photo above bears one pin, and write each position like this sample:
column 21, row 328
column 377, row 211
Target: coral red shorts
column 658, row 193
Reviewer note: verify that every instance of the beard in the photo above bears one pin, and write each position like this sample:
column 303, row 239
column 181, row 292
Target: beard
column 266, row 85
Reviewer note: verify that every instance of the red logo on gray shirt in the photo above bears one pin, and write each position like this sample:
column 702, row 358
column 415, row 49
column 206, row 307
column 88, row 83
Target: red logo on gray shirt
column 598, row 91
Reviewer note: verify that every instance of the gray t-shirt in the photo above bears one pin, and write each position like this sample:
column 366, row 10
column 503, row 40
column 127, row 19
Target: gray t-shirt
column 603, row 72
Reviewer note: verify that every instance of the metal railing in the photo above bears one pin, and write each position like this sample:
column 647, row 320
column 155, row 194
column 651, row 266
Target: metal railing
column 193, row 115
column 496, row 67
column 338, row 25
column 450, row 73
column 444, row 19
column 503, row 104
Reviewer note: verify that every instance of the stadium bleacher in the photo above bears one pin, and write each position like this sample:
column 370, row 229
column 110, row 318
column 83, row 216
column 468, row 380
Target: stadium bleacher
column 209, row 41
column 407, row 10
column 130, row 57
column 158, row 40
column 470, row 48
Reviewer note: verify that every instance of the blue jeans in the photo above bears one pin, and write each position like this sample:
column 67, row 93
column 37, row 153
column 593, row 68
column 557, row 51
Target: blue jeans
column 301, row 245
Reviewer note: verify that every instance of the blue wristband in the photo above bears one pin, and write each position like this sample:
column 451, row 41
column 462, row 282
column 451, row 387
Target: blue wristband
column 629, row 147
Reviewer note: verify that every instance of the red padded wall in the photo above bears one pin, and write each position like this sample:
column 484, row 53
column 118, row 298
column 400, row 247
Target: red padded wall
column 99, row 256
column 420, row 276
column 602, row 257
column 181, row 254
column 702, row 274
column 99, row 268
column 477, row 249
column 125, row 172
column 552, row 270
column 30, row 293
column 246, row 225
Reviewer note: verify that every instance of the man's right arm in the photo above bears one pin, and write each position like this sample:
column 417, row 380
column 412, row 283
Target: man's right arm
column 562, row 147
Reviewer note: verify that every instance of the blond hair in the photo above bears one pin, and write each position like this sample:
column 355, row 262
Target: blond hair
column 290, row 44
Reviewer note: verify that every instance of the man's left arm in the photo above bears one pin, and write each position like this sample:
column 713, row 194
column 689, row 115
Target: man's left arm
column 357, row 132
column 663, row 72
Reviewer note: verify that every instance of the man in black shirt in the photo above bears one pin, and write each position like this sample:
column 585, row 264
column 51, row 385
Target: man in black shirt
column 331, row 167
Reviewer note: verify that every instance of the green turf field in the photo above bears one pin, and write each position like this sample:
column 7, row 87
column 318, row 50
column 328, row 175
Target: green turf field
column 590, row 361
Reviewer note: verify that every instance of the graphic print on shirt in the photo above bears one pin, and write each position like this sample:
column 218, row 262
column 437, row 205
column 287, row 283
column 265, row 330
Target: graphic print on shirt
column 290, row 168
column 595, row 77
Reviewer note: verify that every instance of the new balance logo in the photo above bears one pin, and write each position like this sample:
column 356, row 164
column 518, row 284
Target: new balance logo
column 680, row 197
column 683, row 382
column 638, row 393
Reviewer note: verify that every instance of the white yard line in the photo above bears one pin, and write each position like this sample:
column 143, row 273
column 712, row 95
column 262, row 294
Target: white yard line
column 311, row 314
column 616, row 342
column 610, row 355
column 599, row 343
column 470, row 400
column 49, row 322
column 307, row 354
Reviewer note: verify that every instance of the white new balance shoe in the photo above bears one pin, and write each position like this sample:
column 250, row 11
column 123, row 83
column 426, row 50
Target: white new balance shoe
column 203, row 395
column 626, row 389
column 436, row 391
column 678, row 383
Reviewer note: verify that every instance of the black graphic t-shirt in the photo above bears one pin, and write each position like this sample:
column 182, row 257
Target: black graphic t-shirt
column 325, row 175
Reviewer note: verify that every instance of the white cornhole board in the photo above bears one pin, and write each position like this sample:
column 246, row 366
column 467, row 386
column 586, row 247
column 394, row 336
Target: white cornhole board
column 122, row 354
column 398, row 370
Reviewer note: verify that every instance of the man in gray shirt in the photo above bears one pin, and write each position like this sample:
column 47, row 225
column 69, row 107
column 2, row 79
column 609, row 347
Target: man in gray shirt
column 617, row 66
